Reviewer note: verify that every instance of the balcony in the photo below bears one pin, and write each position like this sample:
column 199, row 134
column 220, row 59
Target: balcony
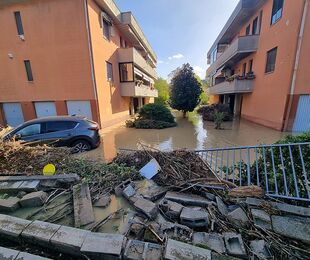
column 130, row 89
column 132, row 55
column 232, row 87
column 238, row 50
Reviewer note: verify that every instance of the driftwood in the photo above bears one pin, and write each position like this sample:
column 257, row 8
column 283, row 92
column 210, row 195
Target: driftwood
column 246, row 191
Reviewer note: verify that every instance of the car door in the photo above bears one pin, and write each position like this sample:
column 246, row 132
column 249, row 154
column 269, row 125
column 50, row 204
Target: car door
column 30, row 133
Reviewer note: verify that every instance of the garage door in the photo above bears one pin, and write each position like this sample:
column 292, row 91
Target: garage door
column 81, row 108
column 13, row 114
column 44, row 109
column 302, row 118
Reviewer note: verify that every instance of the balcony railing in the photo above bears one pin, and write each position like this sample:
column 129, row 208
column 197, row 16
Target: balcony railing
column 230, row 87
column 239, row 49
column 132, row 55
column 131, row 89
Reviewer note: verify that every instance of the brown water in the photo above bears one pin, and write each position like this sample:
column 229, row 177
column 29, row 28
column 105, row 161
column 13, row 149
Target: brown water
column 191, row 133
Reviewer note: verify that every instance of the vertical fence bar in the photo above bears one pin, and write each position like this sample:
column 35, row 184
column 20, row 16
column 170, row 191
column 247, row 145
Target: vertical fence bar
column 206, row 156
column 257, row 171
column 227, row 166
column 248, row 166
column 274, row 171
column 284, row 172
column 294, row 173
column 222, row 164
column 265, row 169
column 234, row 165
column 211, row 159
column 304, row 171
column 216, row 155
column 240, row 171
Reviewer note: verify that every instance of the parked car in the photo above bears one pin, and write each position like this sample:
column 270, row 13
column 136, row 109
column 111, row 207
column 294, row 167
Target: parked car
column 77, row 132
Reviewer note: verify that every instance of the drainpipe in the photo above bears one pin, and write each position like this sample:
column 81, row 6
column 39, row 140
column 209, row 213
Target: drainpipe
column 91, row 57
column 296, row 65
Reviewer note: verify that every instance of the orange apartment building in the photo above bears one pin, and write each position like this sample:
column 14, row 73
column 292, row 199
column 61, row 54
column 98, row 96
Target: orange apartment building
column 60, row 57
column 259, row 63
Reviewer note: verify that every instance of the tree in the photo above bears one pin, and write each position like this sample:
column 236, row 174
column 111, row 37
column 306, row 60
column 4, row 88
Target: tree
column 185, row 89
column 204, row 98
column 163, row 91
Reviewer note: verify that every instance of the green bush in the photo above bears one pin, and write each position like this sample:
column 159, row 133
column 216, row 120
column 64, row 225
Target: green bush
column 152, row 124
column 157, row 112
column 208, row 112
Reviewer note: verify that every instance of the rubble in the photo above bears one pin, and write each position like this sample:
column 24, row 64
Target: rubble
column 260, row 250
column 234, row 244
column 171, row 209
column 140, row 250
column 238, row 217
column 150, row 190
column 33, row 199
column 103, row 201
column 9, row 205
column 223, row 209
column 149, row 208
column 194, row 218
column 187, row 199
column 118, row 190
column 213, row 241
column 261, row 218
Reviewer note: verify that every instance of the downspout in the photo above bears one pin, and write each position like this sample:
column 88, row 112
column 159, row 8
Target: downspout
column 297, row 58
column 91, row 57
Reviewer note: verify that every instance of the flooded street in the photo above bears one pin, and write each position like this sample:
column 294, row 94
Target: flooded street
column 191, row 133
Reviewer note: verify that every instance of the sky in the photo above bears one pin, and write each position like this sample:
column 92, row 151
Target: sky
column 180, row 31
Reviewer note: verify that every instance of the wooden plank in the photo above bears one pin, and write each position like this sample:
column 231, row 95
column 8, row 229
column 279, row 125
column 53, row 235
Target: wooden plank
column 83, row 209
column 67, row 177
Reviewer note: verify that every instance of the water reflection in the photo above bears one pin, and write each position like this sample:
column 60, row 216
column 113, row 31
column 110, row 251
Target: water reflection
column 191, row 133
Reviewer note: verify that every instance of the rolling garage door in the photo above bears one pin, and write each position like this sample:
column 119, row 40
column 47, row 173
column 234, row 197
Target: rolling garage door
column 81, row 108
column 44, row 109
column 302, row 118
column 13, row 114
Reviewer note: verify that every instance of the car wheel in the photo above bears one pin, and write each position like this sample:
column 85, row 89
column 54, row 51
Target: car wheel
column 80, row 146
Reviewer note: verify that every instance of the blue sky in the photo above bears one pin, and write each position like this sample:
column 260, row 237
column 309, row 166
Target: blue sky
column 180, row 31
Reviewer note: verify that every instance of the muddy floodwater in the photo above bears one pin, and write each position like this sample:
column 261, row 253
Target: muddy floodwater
column 191, row 133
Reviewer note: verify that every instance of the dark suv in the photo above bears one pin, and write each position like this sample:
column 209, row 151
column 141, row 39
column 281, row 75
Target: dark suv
column 77, row 132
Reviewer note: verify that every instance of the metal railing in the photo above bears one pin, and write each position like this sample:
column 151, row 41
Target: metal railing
column 281, row 169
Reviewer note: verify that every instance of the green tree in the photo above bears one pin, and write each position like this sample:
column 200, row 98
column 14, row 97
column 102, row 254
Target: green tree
column 204, row 98
column 185, row 89
column 163, row 91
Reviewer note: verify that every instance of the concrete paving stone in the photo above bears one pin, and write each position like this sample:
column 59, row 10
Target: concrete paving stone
column 170, row 208
column 213, row 241
column 27, row 256
column 103, row 246
column 12, row 227
column 33, row 199
column 149, row 208
column 141, row 250
column 292, row 226
column 69, row 240
column 39, row 232
column 8, row 254
column 150, row 190
column 194, row 218
column 261, row 218
column 238, row 217
column 176, row 250
column 260, row 249
column 221, row 206
column 129, row 191
column 234, row 244
column 31, row 185
column 209, row 196
column 103, row 201
column 9, row 185
column 9, row 205
column 188, row 199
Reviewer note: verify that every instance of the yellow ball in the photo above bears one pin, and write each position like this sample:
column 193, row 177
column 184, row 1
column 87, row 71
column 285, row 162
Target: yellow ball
column 49, row 169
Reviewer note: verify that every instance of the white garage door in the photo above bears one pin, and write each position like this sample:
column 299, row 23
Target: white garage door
column 81, row 108
column 13, row 114
column 302, row 117
column 44, row 109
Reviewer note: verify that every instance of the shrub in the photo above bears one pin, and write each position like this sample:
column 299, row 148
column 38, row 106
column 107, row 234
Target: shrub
column 218, row 119
column 208, row 112
column 157, row 112
column 152, row 124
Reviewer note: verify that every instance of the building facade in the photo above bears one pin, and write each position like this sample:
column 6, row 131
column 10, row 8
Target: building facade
column 64, row 57
column 259, row 63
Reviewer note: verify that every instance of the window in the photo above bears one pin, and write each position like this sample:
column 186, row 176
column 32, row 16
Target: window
column 271, row 60
column 276, row 11
column 243, row 69
column 110, row 71
column 254, row 26
column 29, row 130
column 59, row 126
column 126, row 72
column 19, row 25
column 28, row 70
column 260, row 21
column 213, row 55
column 247, row 30
column 106, row 29
column 250, row 66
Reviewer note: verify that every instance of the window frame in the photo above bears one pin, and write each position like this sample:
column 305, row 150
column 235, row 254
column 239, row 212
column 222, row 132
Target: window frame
column 133, row 73
column 255, row 29
column 267, row 69
column 248, row 30
column 28, row 68
column 250, row 69
column 272, row 21
column 106, row 28
column 112, row 78
column 21, row 129
column 244, row 66
column 19, row 23
column 56, row 131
